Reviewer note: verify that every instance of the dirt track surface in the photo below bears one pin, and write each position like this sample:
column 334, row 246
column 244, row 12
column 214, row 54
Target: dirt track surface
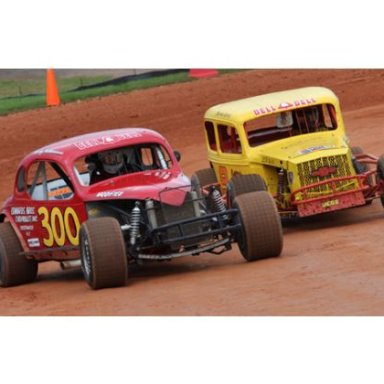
column 330, row 265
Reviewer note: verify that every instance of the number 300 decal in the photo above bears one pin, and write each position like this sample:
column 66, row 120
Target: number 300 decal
column 58, row 226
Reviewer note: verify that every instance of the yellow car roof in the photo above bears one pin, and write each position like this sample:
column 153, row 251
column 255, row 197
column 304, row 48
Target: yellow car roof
column 251, row 107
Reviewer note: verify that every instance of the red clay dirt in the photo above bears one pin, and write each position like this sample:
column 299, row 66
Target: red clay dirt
column 330, row 265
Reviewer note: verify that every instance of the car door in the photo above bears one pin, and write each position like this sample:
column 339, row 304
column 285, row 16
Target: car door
column 49, row 212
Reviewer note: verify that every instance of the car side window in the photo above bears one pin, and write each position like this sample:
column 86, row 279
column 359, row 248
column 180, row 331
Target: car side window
column 154, row 157
column 210, row 133
column 229, row 139
column 47, row 181
column 147, row 160
column 21, row 180
column 162, row 158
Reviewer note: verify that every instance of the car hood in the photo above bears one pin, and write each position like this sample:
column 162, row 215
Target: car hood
column 295, row 148
column 160, row 185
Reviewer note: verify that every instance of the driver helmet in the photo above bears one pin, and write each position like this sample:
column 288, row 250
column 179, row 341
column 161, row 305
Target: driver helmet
column 112, row 161
column 284, row 119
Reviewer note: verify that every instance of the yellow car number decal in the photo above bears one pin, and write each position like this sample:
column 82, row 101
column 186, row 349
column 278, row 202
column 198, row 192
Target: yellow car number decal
column 58, row 226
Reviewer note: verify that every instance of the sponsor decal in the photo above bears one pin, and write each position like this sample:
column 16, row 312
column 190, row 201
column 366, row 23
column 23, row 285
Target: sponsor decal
column 297, row 103
column 35, row 242
column 48, row 150
column 330, row 203
column 161, row 174
column 26, row 219
column 300, row 102
column 223, row 115
column 109, row 194
column 324, row 171
column 313, row 149
column 263, row 111
column 26, row 227
column 22, row 211
column 24, row 214
column 284, row 105
column 60, row 193
column 105, row 140
column 267, row 160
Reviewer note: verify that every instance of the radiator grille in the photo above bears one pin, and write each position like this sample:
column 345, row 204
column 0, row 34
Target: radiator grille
column 341, row 167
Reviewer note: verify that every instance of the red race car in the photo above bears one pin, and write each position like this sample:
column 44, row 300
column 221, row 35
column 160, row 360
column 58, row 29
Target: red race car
column 108, row 199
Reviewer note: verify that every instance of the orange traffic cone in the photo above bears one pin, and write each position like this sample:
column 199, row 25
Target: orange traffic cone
column 53, row 97
column 203, row 72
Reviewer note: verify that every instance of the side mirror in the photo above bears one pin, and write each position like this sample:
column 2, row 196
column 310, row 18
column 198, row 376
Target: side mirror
column 177, row 155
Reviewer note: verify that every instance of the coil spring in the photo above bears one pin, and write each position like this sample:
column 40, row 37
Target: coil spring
column 135, row 223
column 217, row 200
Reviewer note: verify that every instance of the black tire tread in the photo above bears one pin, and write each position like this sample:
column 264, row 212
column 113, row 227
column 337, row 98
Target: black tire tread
column 204, row 177
column 201, row 178
column 247, row 183
column 262, row 233
column 108, row 254
column 380, row 174
column 15, row 268
column 241, row 184
column 380, row 167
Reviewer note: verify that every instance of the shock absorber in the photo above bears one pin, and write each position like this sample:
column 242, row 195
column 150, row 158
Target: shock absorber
column 135, row 223
column 217, row 201
column 150, row 207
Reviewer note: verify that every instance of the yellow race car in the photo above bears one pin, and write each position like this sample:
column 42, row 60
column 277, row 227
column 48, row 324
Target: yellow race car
column 292, row 144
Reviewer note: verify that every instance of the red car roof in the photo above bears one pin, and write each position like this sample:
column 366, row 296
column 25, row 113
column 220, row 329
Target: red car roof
column 78, row 146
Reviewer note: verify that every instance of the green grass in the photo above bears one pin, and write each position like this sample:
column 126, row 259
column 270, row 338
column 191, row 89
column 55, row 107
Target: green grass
column 14, row 104
column 126, row 87
column 19, row 103
column 22, row 87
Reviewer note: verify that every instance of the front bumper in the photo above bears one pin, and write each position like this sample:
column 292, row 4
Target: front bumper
column 337, row 198
column 215, row 230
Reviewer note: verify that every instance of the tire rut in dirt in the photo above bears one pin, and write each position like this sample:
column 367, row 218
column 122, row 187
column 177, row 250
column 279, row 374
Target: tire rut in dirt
column 261, row 236
column 103, row 254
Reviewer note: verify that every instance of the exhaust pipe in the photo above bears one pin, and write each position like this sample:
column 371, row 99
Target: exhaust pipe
column 70, row 264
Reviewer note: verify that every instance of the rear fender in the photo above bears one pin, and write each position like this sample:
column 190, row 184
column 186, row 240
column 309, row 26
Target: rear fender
column 5, row 217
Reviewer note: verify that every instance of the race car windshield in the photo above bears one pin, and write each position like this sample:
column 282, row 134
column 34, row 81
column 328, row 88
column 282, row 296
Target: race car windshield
column 112, row 158
column 284, row 124
column 103, row 165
